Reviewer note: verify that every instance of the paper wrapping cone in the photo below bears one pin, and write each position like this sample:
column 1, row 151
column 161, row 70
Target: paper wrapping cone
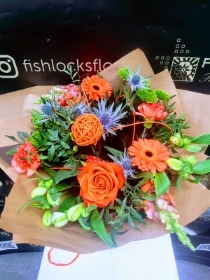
column 191, row 202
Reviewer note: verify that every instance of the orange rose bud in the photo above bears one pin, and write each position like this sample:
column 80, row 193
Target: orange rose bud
column 100, row 182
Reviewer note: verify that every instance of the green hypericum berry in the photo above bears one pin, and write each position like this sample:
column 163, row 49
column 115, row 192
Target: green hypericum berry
column 41, row 183
column 162, row 95
column 123, row 73
column 186, row 141
column 48, row 183
column 147, row 95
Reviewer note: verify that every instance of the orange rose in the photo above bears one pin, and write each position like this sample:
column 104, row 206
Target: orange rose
column 100, row 182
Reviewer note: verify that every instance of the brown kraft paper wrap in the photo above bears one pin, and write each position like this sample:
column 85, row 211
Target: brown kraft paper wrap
column 15, row 108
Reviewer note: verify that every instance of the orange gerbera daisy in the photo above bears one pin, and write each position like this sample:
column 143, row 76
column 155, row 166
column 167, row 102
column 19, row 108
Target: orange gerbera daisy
column 96, row 87
column 149, row 155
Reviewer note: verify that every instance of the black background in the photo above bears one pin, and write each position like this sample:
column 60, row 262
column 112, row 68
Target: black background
column 107, row 30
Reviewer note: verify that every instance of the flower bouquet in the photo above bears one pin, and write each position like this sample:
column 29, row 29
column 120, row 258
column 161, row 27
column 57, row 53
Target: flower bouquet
column 107, row 159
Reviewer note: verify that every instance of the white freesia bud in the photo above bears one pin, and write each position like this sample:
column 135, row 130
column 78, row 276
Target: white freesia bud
column 74, row 212
column 38, row 191
column 59, row 219
column 47, row 218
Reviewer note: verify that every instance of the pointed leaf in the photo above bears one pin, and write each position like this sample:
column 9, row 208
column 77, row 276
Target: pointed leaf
column 162, row 183
column 202, row 139
column 13, row 138
column 12, row 151
column 22, row 135
column 64, row 174
column 115, row 152
column 202, row 167
column 193, row 149
column 51, row 152
column 178, row 183
column 99, row 228
column 67, row 203
column 40, row 198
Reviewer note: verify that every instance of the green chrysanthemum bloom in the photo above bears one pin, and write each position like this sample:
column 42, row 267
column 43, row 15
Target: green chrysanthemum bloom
column 162, row 95
column 35, row 139
column 147, row 95
column 123, row 73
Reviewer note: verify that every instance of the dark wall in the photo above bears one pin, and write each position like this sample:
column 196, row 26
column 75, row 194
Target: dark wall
column 40, row 37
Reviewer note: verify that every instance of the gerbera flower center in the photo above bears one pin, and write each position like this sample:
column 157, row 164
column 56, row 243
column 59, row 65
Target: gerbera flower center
column 135, row 79
column 149, row 153
column 96, row 87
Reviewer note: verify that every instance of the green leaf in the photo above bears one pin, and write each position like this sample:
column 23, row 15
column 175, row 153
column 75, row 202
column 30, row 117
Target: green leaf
column 193, row 149
column 147, row 175
column 196, row 181
column 131, row 223
column 99, row 228
column 67, row 203
column 178, row 183
column 49, row 171
column 61, row 186
column 65, row 145
column 12, row 151
column 13, row 138
column 22, row 135
column 54, row 134
column 162, row 183
column 51, row 152
column 202, row 167
column 115, row 152
column 84, row 224
column 136, row 215
column 40, row 198
column 64, row 174
column 202, row 139
column 61, row 153
column 149, row 197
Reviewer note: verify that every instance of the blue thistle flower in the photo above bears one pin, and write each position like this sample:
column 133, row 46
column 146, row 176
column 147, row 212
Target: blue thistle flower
column 49, row 110
column 125, row 162
column 138, row 82
column 109, row 117
column 79, row 109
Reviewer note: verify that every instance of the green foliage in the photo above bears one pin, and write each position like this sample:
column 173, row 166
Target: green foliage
column 202, row 167
column 162, row 183
column 97, row 225
column 202, row 139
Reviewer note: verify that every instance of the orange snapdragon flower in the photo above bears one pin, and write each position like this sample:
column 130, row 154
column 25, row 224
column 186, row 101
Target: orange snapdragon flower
column 154, row 111
column 148, row 155
column 96, row 87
